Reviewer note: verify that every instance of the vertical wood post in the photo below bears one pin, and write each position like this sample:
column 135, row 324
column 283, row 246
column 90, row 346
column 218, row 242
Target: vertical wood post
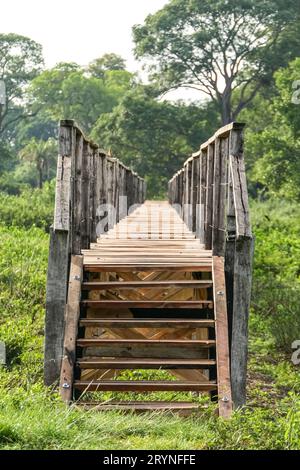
column 58, row 262
column 209, row 196
column 71, row 321
column 241, row 270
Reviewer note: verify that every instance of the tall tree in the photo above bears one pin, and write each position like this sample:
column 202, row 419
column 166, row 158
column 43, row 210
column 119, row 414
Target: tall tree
column 20, row 61
column 219, row 47
column 68, row 92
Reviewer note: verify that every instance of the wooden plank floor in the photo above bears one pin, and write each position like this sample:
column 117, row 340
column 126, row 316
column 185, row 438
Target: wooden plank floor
column 153, row 237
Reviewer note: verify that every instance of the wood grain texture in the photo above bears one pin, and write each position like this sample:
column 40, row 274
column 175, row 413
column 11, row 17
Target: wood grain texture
column 71, row 327
column 223, row 361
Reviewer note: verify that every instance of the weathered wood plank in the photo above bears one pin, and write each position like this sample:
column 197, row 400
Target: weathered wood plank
column 71, row 322
column 222, row 350
column 62, row 194
column 239, row 184
column 57, row 278
column 220, row 197
column 241, row 306
column 209, row 197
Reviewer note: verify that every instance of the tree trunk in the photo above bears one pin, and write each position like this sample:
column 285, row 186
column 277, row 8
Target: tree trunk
column 40, row 180
column 226, row 108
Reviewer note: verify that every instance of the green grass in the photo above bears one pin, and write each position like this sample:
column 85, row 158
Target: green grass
column 33, row 417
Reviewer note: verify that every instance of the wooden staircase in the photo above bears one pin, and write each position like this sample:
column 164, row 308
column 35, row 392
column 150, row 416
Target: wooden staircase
column 146, row 296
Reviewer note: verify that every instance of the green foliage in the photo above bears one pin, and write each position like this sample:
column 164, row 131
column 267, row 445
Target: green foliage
column 20, row 61
column 100, row 66
column 23, row 262
column 276, row 284
column 43, row 156
column 217, row 47
column 68, row 92
column 33, row 207
column 288, row 102
column 7, row 158
column 272, row 145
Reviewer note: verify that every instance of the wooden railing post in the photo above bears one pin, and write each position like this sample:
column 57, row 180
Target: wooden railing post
column 202, row 196
column 242, row 267
column 220, row 196
column 209, row 196
column 58, row 262
column 194, row 191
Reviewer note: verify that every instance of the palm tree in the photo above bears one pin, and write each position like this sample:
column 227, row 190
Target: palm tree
column 42, row 153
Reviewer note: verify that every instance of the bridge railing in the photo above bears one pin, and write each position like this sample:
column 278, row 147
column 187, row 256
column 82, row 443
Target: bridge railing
column 93, row 192
column 210, row 191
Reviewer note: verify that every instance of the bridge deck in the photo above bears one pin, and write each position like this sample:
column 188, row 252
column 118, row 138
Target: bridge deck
column 153, row 237
column 148, row 302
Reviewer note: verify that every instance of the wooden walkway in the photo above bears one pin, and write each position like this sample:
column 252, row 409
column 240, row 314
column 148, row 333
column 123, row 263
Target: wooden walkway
column 147, row 295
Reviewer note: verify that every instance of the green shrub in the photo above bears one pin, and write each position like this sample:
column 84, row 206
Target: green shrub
column 23, row 264
column 276, row 281
column 32, row 207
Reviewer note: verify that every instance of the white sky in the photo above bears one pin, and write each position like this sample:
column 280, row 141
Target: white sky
column 80, row 31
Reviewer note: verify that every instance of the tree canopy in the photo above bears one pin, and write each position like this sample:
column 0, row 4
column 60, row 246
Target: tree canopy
column 67, row 91
column 217, row 47
column 111, row 61
column 20, row 61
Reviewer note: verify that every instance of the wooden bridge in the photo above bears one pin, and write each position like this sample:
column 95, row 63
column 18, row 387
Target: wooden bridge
column 145, row 285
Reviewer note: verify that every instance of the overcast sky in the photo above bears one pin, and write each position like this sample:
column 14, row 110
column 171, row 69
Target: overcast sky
column 79, row 31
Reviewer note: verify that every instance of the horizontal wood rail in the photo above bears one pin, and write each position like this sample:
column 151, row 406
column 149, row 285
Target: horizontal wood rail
column 210, row 193
column 93, row 192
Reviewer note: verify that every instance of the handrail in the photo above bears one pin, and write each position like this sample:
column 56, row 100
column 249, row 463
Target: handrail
column 210, row 181
column 88, row 178
column 93, row 192
column 210, row 192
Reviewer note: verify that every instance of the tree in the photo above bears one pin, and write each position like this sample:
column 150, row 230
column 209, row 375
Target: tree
column 112, row 61
column 20, row 61
column 42, row 154
column 288, row 102
column 68, row 92
column 219, row 47
column 154, row 137
column 272, row 144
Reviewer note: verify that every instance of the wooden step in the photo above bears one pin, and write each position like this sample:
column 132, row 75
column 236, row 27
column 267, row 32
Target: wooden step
column 146, row 323
column 167, row 349
column 180, row 407
column 190, row 304
column 98, row 285
column 143, row 363
column 135, row 267
column 144, row 386
column 90, row 342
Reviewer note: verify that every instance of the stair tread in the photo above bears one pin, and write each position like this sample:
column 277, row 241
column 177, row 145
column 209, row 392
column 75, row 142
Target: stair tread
column 126, row 363
column 147, row 303
column 145, row 385
column 147, row 322
column 87, row 341
column 136, row 267
column 98, row 285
